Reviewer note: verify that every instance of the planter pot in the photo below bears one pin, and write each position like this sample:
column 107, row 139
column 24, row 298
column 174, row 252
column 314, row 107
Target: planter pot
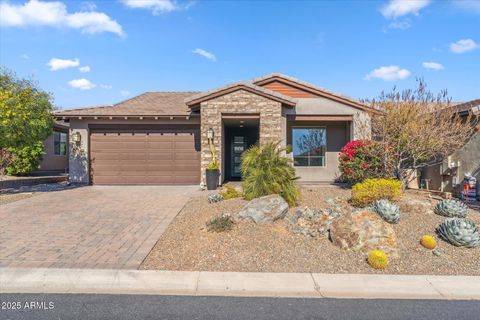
column 212, row 179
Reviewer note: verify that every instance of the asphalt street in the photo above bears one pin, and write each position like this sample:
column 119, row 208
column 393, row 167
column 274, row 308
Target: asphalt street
column 91, row 306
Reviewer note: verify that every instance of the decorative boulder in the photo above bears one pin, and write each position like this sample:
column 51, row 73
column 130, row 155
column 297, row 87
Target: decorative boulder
column 265, row 209
column 312, row 222
column 364, row 231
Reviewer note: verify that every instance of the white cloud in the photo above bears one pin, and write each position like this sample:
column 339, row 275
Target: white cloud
column 388, row 73
column 402, row 25
column 59, row 64
column 433, row 65
column 470, row 5
column 25, row 56
column 82, row 84
column 106, row 86
column 124, row 92
column 54, row 14
column 399, row 8
column 88, row 6
column 156, row 6
column 84, row 69
column 205, row 54
column 464, row 45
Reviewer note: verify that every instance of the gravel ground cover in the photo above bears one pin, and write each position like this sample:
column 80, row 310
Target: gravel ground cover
column 187, row 245
column 24, row 192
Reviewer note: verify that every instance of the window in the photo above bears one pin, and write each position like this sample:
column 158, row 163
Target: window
column 309, row 146
column 60, row 143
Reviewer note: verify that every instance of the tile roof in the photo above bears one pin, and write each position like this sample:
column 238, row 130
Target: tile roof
column 145, row 104
column 473, row 105
column 176, row 103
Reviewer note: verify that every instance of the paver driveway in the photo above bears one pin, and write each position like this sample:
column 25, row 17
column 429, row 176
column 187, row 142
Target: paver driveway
column 88, row 227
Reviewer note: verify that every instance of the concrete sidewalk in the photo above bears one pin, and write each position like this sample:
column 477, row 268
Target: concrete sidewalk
column 307, row 285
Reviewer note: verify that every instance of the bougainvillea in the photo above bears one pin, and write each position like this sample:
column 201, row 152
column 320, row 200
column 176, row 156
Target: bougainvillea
column 361, row 159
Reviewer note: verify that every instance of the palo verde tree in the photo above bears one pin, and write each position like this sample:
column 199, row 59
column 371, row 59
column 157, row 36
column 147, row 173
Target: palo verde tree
column 417, row 126
column 25, row 121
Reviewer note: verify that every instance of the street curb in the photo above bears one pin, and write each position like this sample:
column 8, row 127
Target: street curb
column 244, row 284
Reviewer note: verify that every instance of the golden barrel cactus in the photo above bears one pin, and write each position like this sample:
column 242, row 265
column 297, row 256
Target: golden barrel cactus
column 377, row 259
column 428, row 242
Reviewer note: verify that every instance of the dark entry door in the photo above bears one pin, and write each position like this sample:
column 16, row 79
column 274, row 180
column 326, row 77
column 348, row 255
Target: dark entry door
column 238, row 145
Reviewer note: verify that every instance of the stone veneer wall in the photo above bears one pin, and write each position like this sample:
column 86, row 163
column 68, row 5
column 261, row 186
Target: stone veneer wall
column 238, row 102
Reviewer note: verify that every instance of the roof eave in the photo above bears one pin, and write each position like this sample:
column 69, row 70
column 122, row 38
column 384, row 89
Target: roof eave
column 277, row 97
column 313, row 89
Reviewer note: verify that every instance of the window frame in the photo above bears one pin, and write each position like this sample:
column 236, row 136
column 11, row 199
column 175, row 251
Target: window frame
column 60, row 142
column 326, row 143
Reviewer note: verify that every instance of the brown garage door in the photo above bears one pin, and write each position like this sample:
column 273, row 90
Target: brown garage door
column 148, row 157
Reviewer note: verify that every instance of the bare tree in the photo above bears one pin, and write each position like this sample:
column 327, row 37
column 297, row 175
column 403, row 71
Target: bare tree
column 417, row 126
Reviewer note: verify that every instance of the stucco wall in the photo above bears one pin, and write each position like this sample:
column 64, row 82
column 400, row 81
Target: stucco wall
column 238, row 102
column 51, row 161
column 79, row 152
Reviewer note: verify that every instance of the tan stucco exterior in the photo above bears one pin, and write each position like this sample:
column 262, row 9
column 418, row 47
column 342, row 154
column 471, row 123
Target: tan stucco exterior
column 51, row 161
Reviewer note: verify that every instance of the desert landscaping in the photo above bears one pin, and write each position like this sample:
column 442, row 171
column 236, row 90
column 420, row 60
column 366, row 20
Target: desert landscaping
column 302, row 240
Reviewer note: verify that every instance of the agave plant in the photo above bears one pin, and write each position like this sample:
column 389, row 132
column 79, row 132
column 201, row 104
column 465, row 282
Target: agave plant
column 451, row 208
column 215, row 198
column 459, row 232
column 387, row 210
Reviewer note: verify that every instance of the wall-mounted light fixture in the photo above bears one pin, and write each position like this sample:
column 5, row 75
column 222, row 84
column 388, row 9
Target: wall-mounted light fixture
column 76, row 137
column 210, row 134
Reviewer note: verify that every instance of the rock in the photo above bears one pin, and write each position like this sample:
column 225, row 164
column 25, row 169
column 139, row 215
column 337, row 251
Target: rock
column 312, row 222
column 265, row 209
column 330, row 201
column 364, row 231
column 437, row 253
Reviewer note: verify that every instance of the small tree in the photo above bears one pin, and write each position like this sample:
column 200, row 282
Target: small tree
column 25, row 119
column 417, row 126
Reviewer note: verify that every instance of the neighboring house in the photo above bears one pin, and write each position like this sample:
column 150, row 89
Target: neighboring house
column 161, row 137
column 447, row 175
column 55, row 158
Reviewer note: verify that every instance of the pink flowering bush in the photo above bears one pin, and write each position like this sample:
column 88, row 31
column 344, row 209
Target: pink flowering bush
column 362, row 159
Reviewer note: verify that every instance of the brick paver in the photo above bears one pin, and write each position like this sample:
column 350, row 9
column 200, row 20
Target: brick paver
column 90, row 227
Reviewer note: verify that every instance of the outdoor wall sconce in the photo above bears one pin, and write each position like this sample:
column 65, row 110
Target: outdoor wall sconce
column 76, row 137
column 210, row 134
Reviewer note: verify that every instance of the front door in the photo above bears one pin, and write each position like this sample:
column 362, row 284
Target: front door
column 238, row 145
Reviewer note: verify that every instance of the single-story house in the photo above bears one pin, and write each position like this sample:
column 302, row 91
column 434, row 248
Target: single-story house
column 55, row 158
column 447, row 175
column 161, row 137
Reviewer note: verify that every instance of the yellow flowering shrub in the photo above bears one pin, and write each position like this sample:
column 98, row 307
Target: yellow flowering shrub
column 371, row 190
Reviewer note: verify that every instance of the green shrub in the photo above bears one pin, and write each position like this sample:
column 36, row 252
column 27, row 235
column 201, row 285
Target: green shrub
column 230, row 192
column 266, row 171
column 26, row 159
column 371, row 190
column 220, row 223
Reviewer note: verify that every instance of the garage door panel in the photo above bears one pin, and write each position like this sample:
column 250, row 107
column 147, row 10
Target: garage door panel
column 141, row 158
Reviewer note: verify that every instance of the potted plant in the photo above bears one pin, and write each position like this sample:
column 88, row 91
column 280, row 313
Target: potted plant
column 212, row 174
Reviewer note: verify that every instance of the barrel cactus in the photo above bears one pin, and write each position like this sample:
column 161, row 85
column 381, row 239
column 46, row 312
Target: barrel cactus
column 459, row 232
column 387, row 210
column 451, row 208
column 428, row 242
column 377, row 259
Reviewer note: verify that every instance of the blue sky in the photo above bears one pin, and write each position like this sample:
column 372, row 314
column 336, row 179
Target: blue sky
column 357, row 48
